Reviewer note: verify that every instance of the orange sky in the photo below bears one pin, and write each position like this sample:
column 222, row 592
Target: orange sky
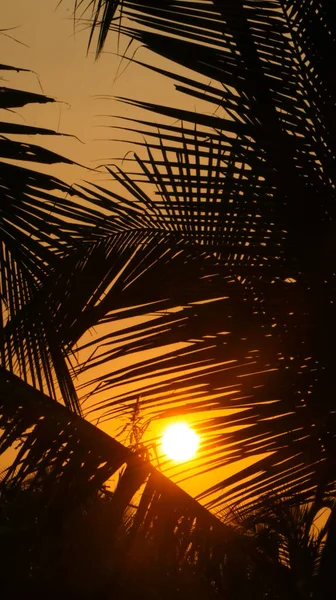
column 56, row 50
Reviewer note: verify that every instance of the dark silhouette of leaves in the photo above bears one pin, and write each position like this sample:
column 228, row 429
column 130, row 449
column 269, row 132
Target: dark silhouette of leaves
column 253, row 184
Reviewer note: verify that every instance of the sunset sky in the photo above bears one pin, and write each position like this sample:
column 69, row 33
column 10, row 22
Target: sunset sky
column 54, row 48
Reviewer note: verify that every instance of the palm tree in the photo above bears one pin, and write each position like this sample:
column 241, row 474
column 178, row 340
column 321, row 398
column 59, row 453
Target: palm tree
column 57, row 275
column 298, row 540
column 235, row 191
column 52, row 290
column 243, row 215
column 253, row 185
column 147, row 538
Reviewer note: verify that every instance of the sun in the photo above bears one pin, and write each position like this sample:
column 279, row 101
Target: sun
column 179, row 442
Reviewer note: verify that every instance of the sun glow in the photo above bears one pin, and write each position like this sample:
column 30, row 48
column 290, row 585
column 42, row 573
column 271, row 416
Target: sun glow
column 179, row 442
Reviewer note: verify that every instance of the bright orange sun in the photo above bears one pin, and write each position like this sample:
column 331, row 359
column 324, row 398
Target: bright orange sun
column 179, row 442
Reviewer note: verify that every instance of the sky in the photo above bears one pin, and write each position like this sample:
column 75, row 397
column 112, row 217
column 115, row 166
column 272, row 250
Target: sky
column 41, row 36
column 54, row 47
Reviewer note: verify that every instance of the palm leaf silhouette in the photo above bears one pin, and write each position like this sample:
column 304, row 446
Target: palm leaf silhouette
column 272, row 229
column 222, row 259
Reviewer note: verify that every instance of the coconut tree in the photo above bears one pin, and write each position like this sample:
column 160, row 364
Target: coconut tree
column 64, row 532
column 63, row 250
column 232, row 191
column 253, row 184
column 298, row 539
column 243, row 215
column 61, row 273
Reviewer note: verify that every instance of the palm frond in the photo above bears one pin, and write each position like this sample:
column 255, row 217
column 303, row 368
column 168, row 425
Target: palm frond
column 254, row 185
column 42, row 225
column 240, row 352
column 147, row 527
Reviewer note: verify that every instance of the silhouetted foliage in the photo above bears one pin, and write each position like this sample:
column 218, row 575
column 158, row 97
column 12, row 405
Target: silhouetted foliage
column 230, row 245
column 253, row 184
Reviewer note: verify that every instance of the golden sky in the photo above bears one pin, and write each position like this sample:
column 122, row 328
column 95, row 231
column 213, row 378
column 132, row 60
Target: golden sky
column 51, row 45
